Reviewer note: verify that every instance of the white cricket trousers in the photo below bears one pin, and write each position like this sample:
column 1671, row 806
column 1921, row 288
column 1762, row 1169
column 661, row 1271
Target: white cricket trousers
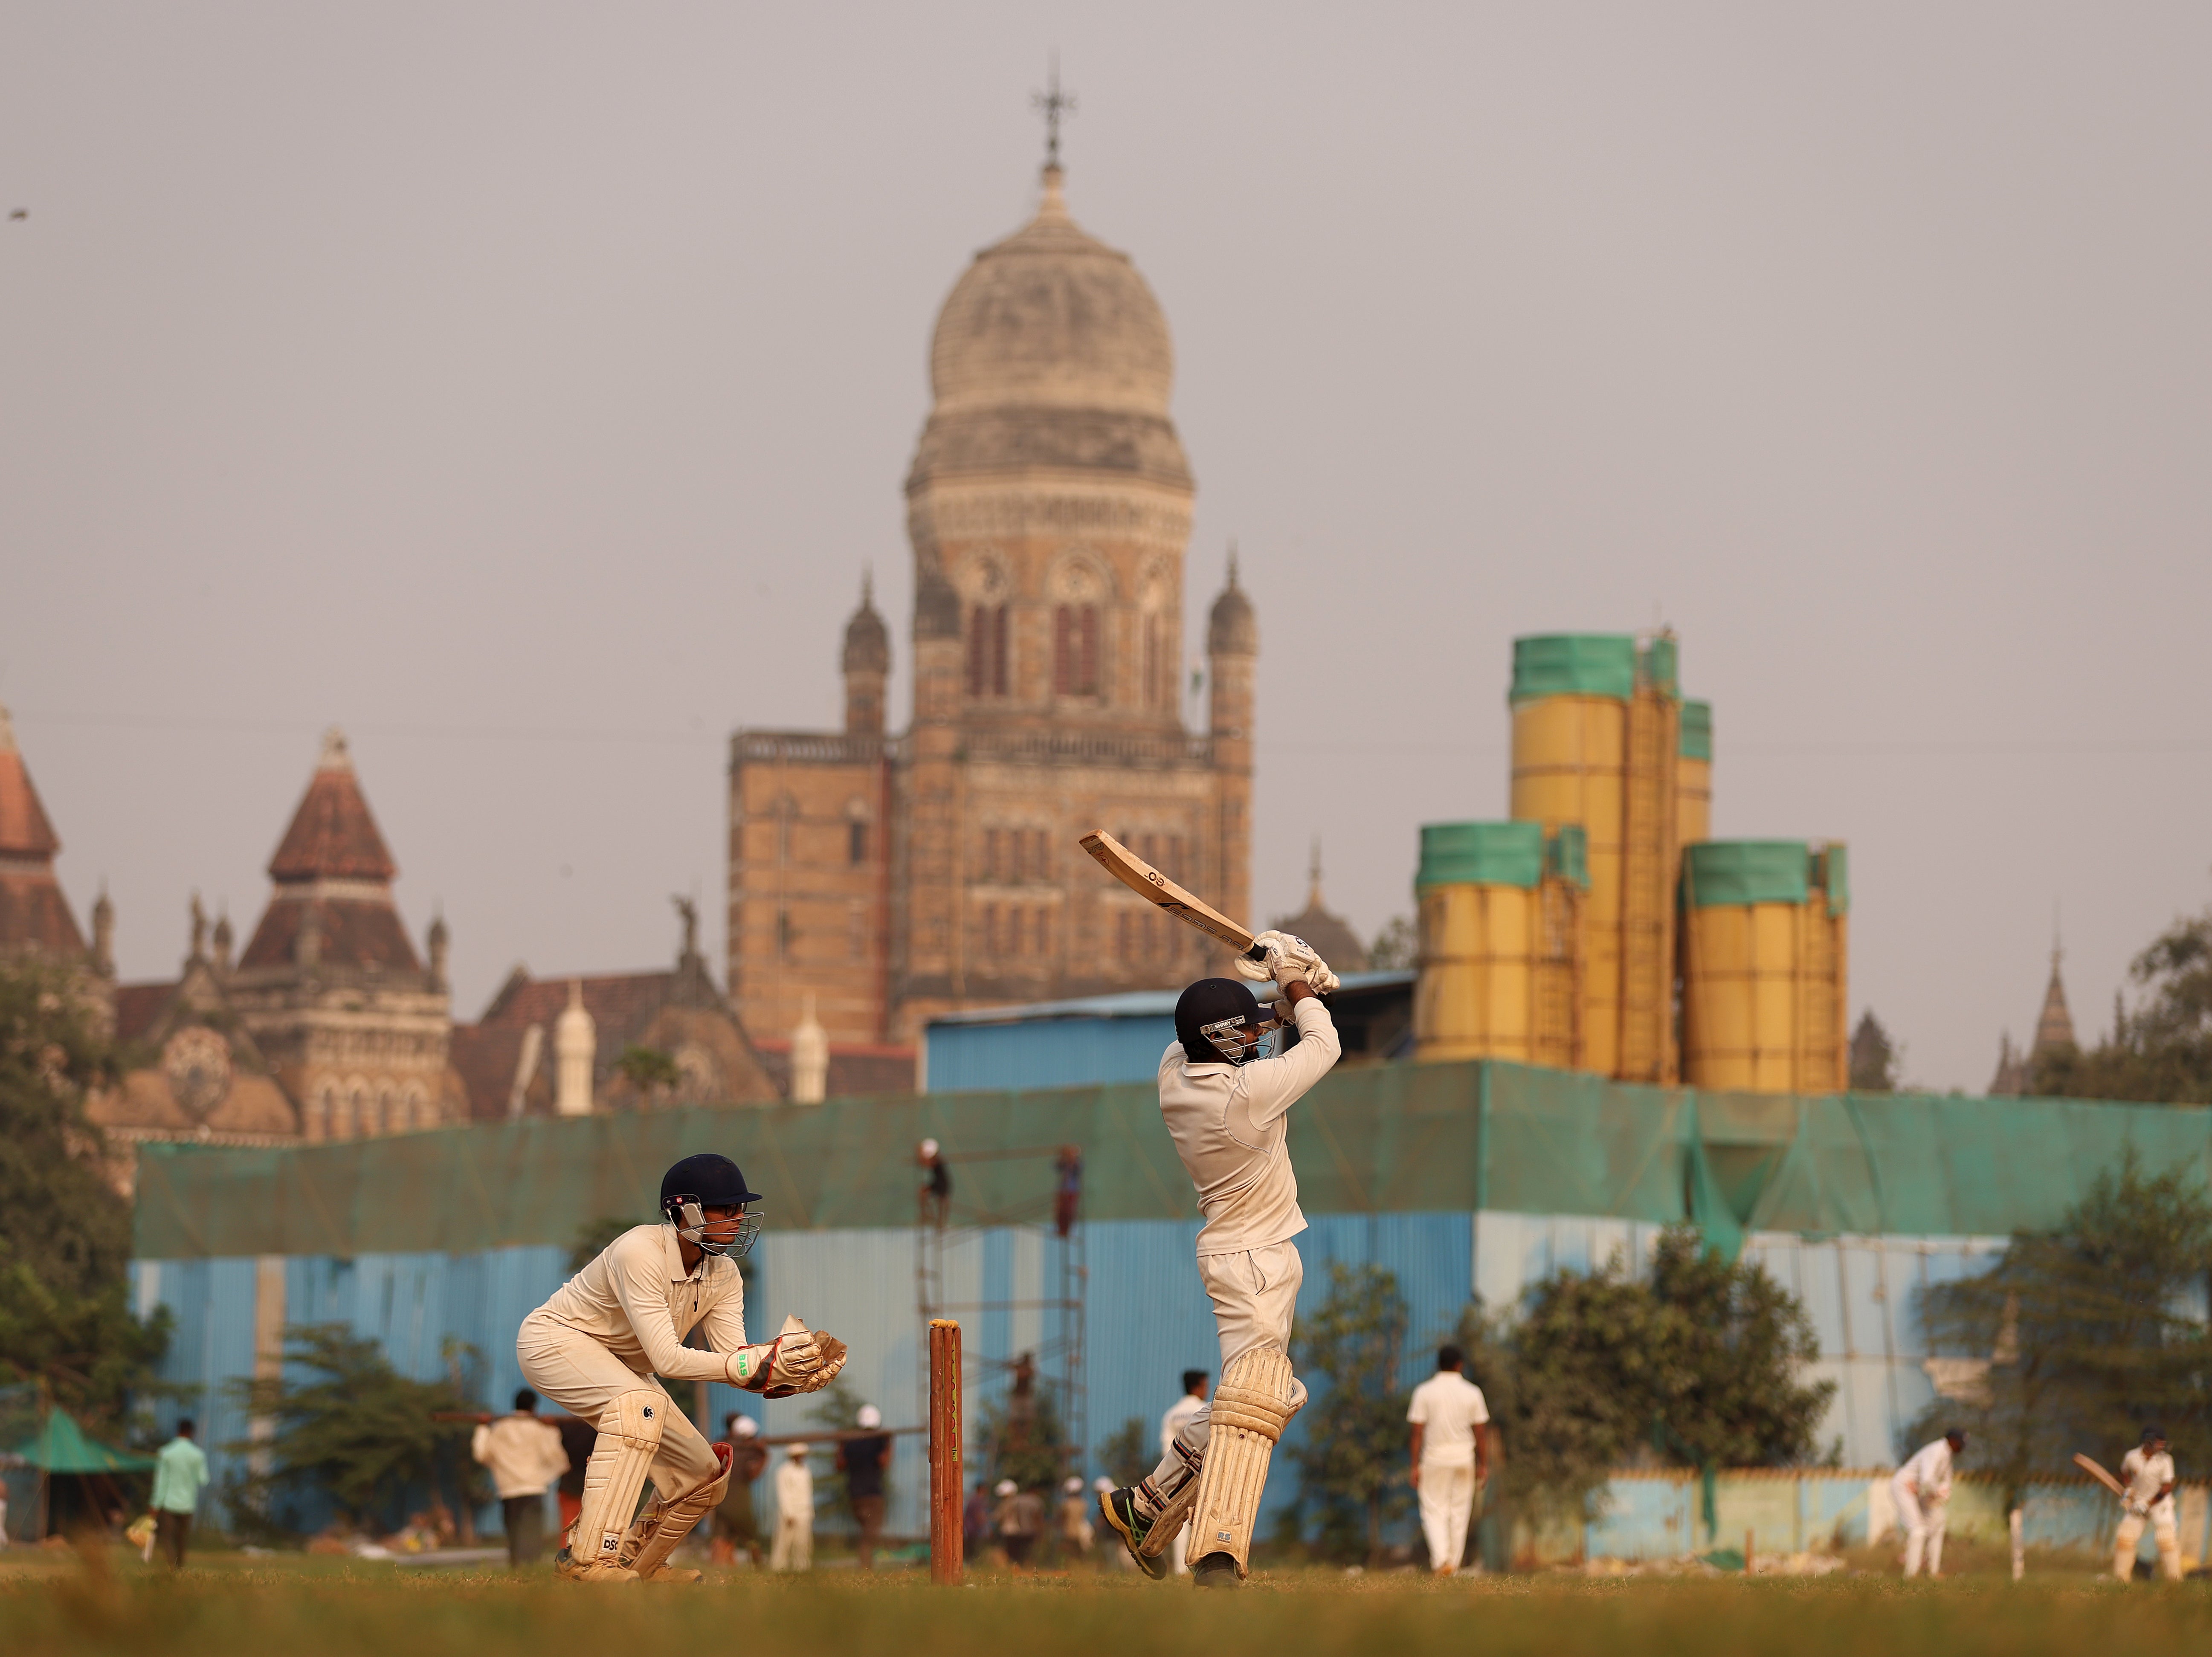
column 793, row 1547
column 1923, row 1524
column 2131, row 1532
column 1255, row 1296
column 574, row 1371
column 1447, row 1494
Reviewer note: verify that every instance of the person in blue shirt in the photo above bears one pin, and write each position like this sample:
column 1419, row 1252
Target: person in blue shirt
column 181, row 1473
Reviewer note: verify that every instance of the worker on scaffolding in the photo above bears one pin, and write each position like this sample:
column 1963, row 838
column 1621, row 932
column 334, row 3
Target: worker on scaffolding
column 596, row 1346
column 1227, row 1110
column 935, row 1196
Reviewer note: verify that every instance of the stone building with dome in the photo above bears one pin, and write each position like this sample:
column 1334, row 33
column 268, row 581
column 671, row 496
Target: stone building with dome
column 886, row 876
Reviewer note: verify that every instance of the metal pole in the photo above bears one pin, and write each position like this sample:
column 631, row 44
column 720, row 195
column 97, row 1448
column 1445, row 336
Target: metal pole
column 945, row 1462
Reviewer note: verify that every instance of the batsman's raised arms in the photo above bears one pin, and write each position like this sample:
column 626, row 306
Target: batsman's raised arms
column 1148, row 882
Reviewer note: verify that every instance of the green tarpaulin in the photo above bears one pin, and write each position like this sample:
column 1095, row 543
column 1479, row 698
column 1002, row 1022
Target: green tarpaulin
column 1480, row 855
column 60, row 1447
column 1729, row 872
column 1385, row 1138
column 1696, row 741
column 1574, row 663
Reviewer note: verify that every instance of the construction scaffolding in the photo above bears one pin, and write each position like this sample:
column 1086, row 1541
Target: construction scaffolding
column 1018, row 1345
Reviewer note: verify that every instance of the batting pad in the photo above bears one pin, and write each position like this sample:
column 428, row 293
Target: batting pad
column 668, row 1523
column 1248, row 1413
column 629, row 1435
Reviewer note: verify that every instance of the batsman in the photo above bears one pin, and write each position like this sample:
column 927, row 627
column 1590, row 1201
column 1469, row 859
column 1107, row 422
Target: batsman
column 596, row 1347
column 1227, row 1110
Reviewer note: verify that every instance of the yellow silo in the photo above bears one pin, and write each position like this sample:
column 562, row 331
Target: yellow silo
column 1500, row 943
column 1693, row 775
column 1595, row 728
column 1764, row 966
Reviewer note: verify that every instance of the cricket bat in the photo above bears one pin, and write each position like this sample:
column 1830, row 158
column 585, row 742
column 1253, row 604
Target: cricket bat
column 2100, row 1476
column 1148, row 882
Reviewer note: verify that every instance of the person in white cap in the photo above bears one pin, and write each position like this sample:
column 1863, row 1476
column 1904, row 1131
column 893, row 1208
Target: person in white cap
column 795, row 1514
column 735, row 1525
column 2146, row 1472
column 1076, row 1531
column 936, row 1195
column 1921, row 1492
column 862, row 1460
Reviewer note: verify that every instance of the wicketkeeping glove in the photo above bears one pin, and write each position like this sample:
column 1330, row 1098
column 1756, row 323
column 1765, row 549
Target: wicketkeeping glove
column 799, row 1360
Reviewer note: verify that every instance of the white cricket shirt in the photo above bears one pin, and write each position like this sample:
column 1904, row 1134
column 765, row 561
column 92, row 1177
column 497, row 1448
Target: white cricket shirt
column 1929, row 1472
column 522, row 1453
column 2145, row 1476
column 1177, row 1418
column 1227, row 1121
column 1448, row 1407
column 637, row 1301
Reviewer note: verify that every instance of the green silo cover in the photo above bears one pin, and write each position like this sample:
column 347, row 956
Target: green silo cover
column 1480, row 855
column 1722, row 871
column 1574, row 663
column 1696, row 742
column 1835, row 878
column 1659, row 665
column 1566, row 854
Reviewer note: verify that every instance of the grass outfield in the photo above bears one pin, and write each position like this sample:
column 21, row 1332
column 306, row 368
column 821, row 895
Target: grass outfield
column 341, row 1609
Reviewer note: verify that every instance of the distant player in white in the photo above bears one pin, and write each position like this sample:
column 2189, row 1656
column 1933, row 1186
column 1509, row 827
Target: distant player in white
column 1451, row 1455
column 1177, row 1418
column 596, row 1346
column 1225, row 1108
column 1921, row 1490
column 2148, row 1472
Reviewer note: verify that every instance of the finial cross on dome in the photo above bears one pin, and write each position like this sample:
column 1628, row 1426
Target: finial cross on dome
column 1053, row 103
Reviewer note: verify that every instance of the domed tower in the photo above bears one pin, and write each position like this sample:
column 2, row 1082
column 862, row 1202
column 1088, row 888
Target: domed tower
column 867, row 666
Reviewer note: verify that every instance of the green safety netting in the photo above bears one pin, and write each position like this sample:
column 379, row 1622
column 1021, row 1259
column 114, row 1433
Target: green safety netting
column 1566, row 853
column 1696, row 741
column 1833, row 872
column 1725, row 871
column 1574, row 663
column 60, row 1447
column 1480, row 855
column 1373, row 1139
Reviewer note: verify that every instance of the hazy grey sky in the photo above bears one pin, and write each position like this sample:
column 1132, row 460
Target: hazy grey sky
column 524, row 387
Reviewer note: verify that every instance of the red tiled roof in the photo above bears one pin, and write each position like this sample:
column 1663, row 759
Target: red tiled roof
column 136, row 1006
column 484, row 1057
column 619, row 1002
column 332, row 834
column 356, row 932
column 24, row 830
column 857, row 1068
column 33, row 911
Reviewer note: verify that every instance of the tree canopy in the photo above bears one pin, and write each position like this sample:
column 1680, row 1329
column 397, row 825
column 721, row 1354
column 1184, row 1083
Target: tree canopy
column 2087, row 1331
column 1350, row 1458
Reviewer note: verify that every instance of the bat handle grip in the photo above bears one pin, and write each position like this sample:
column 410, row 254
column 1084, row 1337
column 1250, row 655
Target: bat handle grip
column 1255, row 953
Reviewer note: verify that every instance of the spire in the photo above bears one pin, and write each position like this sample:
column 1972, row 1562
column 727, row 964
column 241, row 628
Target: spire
column 25, row 831
column 333, row 834
column 2054, row 1027
column 1055, row 106
column 1313, row 886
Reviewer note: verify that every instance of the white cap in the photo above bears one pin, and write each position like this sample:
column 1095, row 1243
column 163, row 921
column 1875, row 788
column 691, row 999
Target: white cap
column 799, row 1452
column 1008, row 1487
column 870, row 1415
column 1074, row 1486
column 1102, row 1485
column 928, row 1149
column 746, row 1426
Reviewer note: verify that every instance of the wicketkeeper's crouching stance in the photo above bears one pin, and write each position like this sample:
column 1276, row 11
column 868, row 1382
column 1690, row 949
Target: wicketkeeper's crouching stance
column 1226, row 1108
column 596, row 1346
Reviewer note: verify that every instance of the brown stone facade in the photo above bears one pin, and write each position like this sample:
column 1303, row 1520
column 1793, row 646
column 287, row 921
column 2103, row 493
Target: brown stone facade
column 882, row 878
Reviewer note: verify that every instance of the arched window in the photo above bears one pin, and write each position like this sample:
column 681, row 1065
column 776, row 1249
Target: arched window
column 1075, row 649
column 987, row 650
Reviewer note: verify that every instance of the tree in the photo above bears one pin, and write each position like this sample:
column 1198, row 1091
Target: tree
column 648, row 1068
column 363, row 1433
column 1697, row 1366
column 2163, row 1050
column 1350, row 1461
column 1396, row 948
column 66, row 1327
column 1022, row 1436
column 1126, row 1456
column 2087, row 1331
column 1875, row 1057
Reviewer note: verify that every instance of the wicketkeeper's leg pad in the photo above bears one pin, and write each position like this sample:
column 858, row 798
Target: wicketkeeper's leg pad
column 630, row 1437
column 1255, row 1400
column 664, row 1524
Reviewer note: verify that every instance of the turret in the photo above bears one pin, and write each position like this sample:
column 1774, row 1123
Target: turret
column 434, row 945
column 103, row 934
column 867, row 666
column 575, row 1046
column 1232, row 648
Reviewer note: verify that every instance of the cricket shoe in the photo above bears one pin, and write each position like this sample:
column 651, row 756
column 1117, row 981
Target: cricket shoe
column 1215, row 1570
column 565, row 1565
column 1118, row 1509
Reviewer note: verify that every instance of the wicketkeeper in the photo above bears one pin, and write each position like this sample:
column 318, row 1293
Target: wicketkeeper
column 1226, row 1108
column 596, row 1346
column 2146, row 1472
